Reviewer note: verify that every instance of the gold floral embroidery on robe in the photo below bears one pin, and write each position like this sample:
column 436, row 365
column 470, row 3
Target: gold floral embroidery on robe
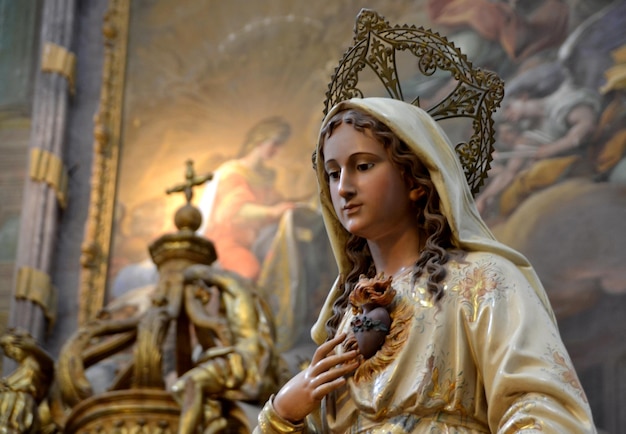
column 444, row 389
column 522, row 414
column 568, row 374
column 475, row 284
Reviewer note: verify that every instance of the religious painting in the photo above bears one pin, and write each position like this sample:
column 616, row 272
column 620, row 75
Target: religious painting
column 203, row 80
column 203, row 77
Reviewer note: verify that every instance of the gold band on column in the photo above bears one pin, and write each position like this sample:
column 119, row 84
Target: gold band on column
column 58, row 59
column 35, row 285
column 48, row 167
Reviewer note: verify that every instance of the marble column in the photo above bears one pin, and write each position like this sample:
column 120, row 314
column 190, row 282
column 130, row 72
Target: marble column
column 41, row 207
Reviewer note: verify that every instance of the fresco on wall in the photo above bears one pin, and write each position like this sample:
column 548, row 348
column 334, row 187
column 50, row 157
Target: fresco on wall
column 240, row 93
column 202, row 75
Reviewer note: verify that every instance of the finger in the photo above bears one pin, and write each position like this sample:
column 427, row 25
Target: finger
column 324, row 389
column 320, row 392
column 336, row 372
column 326, row 348
column 331, row 359
column 334, row 360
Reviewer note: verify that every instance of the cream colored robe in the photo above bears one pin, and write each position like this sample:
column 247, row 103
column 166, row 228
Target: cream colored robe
column 487, row 357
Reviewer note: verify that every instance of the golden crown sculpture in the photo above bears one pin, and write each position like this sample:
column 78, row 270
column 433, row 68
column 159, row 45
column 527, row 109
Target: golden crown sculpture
column 477, row 94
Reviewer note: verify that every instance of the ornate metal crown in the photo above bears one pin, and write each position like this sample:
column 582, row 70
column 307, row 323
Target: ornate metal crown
column 477, row 93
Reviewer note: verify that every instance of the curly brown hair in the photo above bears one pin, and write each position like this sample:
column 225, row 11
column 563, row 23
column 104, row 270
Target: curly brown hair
column 438, row 247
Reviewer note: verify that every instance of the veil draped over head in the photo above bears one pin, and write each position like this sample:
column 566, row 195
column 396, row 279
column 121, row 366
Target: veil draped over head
column 430, row 143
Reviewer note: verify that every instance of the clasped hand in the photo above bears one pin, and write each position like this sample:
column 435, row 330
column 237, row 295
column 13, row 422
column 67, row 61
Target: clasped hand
column 304, row 392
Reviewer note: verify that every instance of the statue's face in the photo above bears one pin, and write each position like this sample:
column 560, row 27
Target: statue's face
column 369, row 194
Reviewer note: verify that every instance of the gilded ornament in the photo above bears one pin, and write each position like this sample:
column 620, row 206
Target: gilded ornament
column 476, row 96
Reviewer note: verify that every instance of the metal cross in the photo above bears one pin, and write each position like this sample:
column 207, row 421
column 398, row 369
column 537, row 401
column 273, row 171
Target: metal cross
column 191, row 181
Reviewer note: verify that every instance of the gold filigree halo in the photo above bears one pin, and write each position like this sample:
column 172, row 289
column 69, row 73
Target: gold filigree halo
column 477, row 94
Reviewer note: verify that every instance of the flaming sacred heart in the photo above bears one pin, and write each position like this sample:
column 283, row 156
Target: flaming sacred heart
column 372, row 321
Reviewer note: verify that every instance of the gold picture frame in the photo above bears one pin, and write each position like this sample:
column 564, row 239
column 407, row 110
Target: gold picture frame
column 96, row 244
